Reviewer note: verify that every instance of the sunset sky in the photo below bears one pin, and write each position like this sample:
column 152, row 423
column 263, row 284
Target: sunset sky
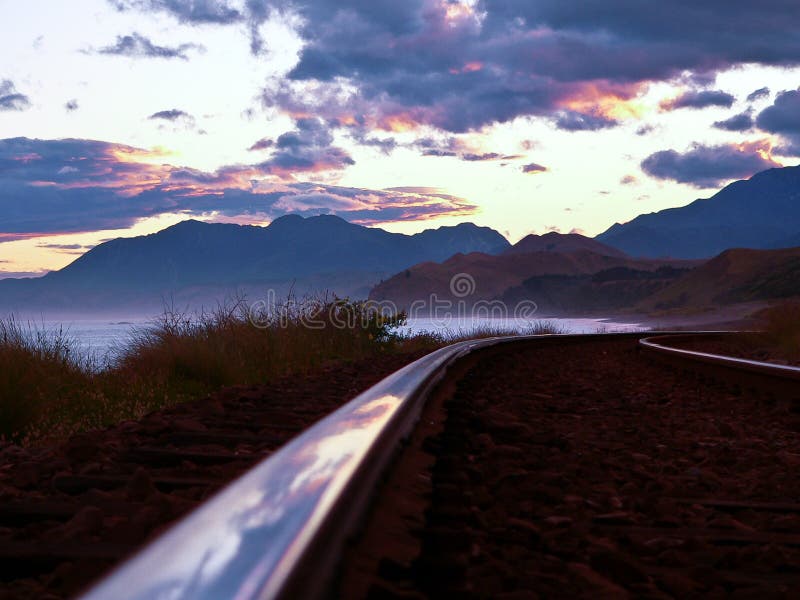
column 121, row 117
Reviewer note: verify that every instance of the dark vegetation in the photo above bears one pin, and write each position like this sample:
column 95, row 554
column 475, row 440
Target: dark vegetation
column 49, row 389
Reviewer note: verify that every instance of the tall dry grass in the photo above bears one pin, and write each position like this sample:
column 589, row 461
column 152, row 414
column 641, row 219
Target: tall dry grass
column 49, row 390
column 38, row 367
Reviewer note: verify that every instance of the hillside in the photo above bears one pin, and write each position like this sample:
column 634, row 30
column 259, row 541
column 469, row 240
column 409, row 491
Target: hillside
column 562, row 242
column 735, row 276
column 497, row 276
column 200, row 263
column 762, row 212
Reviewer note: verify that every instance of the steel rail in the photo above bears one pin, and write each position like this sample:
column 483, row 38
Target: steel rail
column 770, row 377
column 277, row 531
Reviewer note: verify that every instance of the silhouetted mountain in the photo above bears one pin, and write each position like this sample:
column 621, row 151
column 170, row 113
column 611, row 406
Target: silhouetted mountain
column 562, row 242
column 762, row 212
column 195, row 262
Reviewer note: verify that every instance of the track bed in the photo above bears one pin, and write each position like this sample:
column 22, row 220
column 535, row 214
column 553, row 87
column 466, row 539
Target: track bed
column 587, row 469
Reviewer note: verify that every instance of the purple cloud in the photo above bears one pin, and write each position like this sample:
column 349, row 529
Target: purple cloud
column 758, row 94
column 10, row 98
column 533, row 168
column 709, row 166
column 170, row 115
column 262, row 144
column 136, row 45
column 576, row 121
column 783, row 117
column 741, row 122
column 699, row 99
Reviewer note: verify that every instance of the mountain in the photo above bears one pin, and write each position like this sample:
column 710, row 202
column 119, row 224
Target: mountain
column 762, row 212
column 736, row 276
column 487, row 278
column 197, row 263
column 562, row 242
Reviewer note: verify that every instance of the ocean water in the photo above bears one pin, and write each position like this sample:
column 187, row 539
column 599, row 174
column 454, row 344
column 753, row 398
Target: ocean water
column 105, row 339
column 465, row 325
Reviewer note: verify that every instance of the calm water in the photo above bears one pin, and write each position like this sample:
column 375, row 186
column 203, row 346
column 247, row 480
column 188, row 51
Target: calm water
column 103, row 339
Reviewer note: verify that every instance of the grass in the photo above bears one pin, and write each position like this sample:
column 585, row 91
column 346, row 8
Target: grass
column 37, row 368
column 50, row 390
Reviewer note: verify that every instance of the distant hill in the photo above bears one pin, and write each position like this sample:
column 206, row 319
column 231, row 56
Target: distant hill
column 618, row 289
column 562, row 242
column 762, row 212
column 508, row 274
column 198, row 263
column 735, row 276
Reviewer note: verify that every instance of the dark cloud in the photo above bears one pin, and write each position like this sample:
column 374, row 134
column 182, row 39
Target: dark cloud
column 486, row 156
column 758, row 94
column 136, row 45
column 187, row 11
column 384, row 144
column 783, row 117
column 709, row 166
column 699, row 99
column 68, row 186
column 741, row 122
column 575, row 121
column 457, row 148
column 262, row 144
column 628, row 180
column 67, row 248
column 20, row 274
column 71, row 105
column 533, row 168
column 10, row 98
column 62, row 246
column 306, row 149
column 700, row 36
column 174, row 116
column 645, row 129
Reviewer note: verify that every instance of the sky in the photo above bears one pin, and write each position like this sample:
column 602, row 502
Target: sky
column 122, row 117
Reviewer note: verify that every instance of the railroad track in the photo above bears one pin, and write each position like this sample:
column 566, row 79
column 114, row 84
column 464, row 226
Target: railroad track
column 568, row 464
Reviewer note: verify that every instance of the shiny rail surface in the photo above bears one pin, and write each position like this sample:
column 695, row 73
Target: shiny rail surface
column 775, row 379
column 278, row 530
column 658, row 344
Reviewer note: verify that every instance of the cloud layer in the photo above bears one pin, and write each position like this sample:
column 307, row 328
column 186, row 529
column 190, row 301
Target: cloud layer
column 74, row 185
column 460, row 65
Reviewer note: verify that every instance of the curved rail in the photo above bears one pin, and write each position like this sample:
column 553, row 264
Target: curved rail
column 782, row 379
column 277, row 531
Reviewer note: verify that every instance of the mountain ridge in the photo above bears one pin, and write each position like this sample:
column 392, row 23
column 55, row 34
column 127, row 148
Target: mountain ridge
column 762, row 212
